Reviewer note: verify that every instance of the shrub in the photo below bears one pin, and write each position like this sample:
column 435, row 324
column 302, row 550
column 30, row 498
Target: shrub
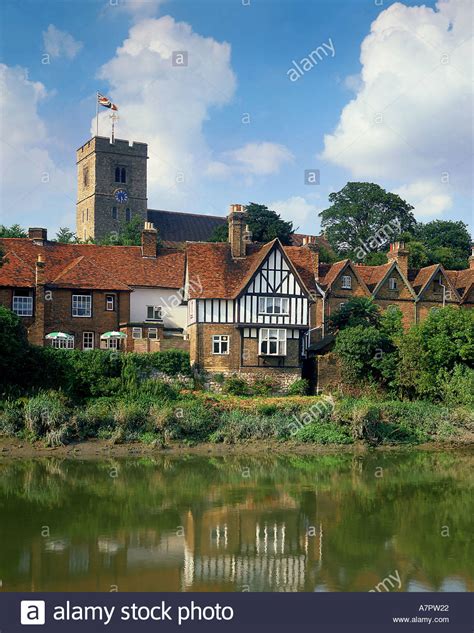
column 237, row 426
column 299, row 387
column 264, row 386
column 324, row 433
column 457, row 387
column 236, row 386
column 14, row 348
column 45, row 412
column 94, row 416
column 192, row 421
column 12, row 417
column 131, row 417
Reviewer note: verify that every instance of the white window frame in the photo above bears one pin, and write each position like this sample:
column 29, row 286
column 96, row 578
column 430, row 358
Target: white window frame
column 79, row 303
column 135, row 331
column 392, row 283
column 110, row 299
column 153, row 330
column 272, row 342
column 90, row 338
column 274, row 306
column 221, row 342
column 346, row 282
column 61, row 343
column 157, row 310
column 113, row 343
column 22, row 305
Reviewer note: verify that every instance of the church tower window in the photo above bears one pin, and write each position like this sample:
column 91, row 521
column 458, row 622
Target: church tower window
column 114, row 213
column 128, row 215
column 117, row 174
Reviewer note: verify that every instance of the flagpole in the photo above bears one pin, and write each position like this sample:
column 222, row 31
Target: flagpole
column 97, row 113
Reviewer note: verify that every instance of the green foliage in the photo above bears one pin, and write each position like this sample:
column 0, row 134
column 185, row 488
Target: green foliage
column 264, row 386
column 11, row 417
column 240, row 426
column 457, row 386
column 14, row 230
column 66, row 236
column 193, row 422
column 418, row 256
column 375, row 258
column 447, row 242
column 14, row 348
column 236, row 386
column 129, row 234
column 299, row 387
column 361, row 350
column 323, row 433
column 357, row 311
column 45, row 413
column 360, row 211
column 264, row 224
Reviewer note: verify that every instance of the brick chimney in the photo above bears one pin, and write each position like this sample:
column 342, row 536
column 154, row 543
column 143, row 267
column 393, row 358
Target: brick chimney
column 38, row 235
column 36, row 331
column 149, row 240
column 471, row 258
column 399, row 253
column 237, row 230
column 310, row 242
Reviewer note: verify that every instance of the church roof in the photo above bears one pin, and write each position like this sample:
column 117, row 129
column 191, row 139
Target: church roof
column 184, row 227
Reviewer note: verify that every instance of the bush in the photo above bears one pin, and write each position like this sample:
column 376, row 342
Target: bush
column 12, row 417
column 237, row 426
column 45, row 412
column 192, row 421
column 264, row 386
column 324, row 433
column 236, row 386
column 299, row 387
column 457, row 387
column 96, row 415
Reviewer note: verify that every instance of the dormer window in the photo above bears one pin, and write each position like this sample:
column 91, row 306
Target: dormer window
column 120, row 174
column 392, row 283
column 346, row 282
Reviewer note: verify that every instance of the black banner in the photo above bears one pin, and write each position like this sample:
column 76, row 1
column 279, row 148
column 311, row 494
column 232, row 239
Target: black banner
column 242, row 612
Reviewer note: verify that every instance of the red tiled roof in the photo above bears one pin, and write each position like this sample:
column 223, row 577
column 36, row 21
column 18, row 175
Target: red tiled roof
column 90, row 265
column 419, row 278
column 328, row 272
column 372, row 275
column 462, row 280
column 218, row 276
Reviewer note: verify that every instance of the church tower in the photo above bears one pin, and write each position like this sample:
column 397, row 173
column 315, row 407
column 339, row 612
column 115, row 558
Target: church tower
column 111, row 186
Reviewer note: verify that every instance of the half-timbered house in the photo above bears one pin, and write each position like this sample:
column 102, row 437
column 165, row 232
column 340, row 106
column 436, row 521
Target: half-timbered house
column 250, row 306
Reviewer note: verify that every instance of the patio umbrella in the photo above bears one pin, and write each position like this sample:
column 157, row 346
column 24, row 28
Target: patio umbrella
column 61, row 336
column 112, row 334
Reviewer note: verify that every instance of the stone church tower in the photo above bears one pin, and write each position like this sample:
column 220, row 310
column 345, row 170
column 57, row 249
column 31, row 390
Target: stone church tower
column 111, row 186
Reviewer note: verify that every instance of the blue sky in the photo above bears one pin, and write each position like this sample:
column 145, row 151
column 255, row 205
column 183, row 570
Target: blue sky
column 386, row 98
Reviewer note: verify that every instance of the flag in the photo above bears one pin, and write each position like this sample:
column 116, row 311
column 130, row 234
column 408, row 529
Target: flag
column 106, row 102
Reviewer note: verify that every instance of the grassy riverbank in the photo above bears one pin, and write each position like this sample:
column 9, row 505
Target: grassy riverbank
column 161, row 415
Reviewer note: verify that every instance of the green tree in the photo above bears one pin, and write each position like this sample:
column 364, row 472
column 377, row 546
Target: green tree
column 14, row 230
column 264, row 224
column 130, row 234
column 418, row 254
column 361, row 350
column 430, row 351
column 14, row 347
column 357, row 311
column 448, row 242
column 66, row 236
column 364, row 213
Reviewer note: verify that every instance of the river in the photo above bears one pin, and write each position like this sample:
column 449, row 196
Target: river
column 331, row 522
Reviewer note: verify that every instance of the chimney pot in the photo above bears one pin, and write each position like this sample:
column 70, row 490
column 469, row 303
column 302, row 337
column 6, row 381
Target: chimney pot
column 149, row 240
column 38, row 234
column 237, row 230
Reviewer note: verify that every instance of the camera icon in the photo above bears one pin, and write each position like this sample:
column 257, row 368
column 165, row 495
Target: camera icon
column 32, row 611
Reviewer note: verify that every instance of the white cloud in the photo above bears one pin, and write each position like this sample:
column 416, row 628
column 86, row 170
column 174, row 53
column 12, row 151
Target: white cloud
column 31, row 184
column 410, row 121
column 298, row 210
column 60, row 43
column 428, row 198
column 167, row 106
column 261, row 158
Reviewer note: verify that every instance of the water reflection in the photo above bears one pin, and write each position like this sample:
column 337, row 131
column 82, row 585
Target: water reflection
column 319, row 523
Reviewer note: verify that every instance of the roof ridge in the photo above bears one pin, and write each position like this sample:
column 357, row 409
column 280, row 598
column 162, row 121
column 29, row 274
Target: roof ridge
column 200, row 215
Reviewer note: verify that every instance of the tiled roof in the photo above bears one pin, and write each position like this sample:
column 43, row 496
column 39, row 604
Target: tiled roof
column 177, row 226
column 214, row 274
column 372, row 275
column 419, row 278
column 329, row 272
column 462, row 280
column 90, row 266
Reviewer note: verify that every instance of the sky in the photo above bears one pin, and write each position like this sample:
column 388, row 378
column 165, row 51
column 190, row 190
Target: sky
column 281, row 102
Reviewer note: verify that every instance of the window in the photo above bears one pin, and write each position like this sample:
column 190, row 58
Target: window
column 63, row 344
column 273, row 305
column 272, row 342
column 113, row 343
column 128, row 215
column 81, row 305
column 153, row 313
column 23, row 306
column 346, row 282
column 88, row 340
column 110, row 303
column 87, row 215
column 120, row 174
column 152, row 332
column 220, row 344
column 392, row 283
column 136, row 332
column 114, row 213
column 85, row 176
